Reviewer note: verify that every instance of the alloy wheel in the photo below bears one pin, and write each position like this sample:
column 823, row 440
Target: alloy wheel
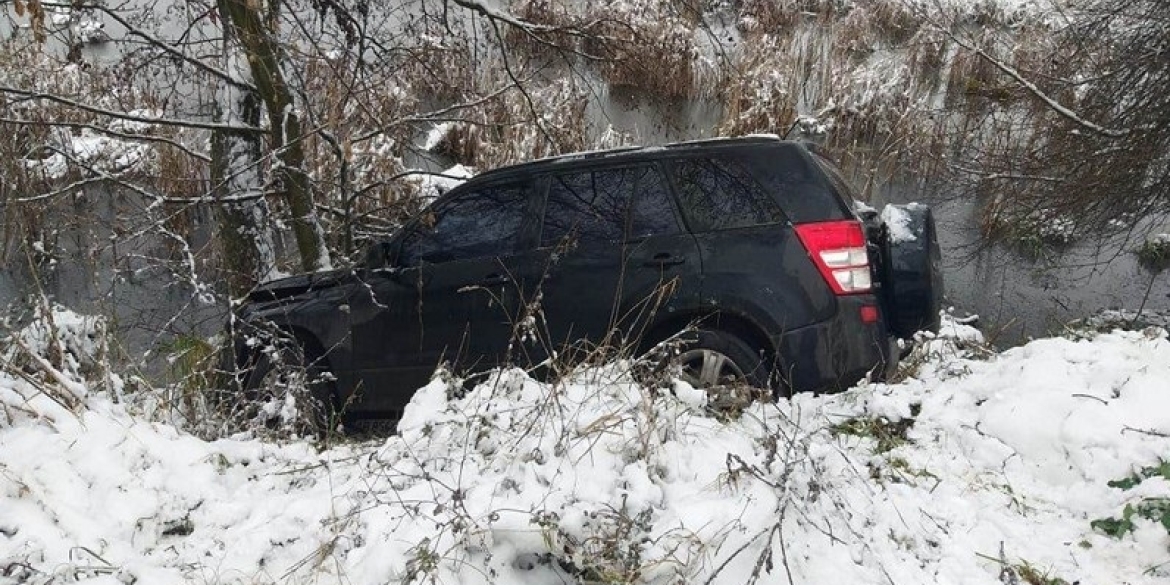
column 707, row 368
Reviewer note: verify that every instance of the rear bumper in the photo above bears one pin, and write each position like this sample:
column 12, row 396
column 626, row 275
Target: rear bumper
column 835, row 354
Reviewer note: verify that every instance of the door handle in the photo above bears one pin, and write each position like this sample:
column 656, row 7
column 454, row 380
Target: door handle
column 494, row 280
column 663, row 259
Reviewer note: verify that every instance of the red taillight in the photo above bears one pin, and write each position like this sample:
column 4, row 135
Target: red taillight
column 838, row 250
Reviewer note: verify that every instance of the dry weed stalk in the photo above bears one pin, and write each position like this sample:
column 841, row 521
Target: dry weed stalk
column 647, row 47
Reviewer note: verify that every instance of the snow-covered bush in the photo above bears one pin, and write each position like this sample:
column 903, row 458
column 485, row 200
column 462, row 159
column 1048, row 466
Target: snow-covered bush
column 1033, row 231
column 492, row 136
column 74, row 344
column 1154, row 253
column 560, row 17
column 53, row 363
column 957, row 339
column 648, row 47
column 1109, row 320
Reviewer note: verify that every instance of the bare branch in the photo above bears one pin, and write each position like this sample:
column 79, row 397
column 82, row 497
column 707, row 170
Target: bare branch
column 62, row 191
column 114, row 133
column 496, row 15
column 166, row 47
column 36, row 95
column 988, row 176
column 1048, row 100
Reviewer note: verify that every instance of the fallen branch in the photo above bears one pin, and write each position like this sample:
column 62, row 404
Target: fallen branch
column 74, row 392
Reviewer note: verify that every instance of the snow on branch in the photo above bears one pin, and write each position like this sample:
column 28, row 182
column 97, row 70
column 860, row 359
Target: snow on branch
column 1048, row 100
column 36, row 95
column 494, row 14
column 136, row 137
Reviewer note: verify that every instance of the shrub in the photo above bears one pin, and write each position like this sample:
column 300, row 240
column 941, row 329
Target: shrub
column 647, row 47
column 1156, row 509
column 1154, row 254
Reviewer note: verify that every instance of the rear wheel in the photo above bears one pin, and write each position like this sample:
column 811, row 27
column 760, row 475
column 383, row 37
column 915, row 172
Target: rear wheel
column 911, row 270
column 721, row 363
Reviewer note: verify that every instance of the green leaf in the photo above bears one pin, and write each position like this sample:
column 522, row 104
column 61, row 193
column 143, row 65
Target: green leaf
column 1162, row 469
column 1112, row 526
column 1125, row 483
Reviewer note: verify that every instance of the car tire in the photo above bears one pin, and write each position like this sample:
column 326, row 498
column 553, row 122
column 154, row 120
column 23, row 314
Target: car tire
column 292, row 367
column 911, row 272
column 717, row 361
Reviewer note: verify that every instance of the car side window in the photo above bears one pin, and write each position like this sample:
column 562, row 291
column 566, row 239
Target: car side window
column 652, row 211
column 720, row 193
column 480, row 223
column 588, row 208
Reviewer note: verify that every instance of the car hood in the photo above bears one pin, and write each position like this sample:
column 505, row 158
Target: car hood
column 301, row 283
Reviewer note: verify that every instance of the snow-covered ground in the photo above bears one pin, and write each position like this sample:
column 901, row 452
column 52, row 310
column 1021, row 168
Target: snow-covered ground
column 981, row 468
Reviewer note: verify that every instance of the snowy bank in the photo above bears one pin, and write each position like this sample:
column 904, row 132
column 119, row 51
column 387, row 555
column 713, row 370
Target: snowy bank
column 973, row 471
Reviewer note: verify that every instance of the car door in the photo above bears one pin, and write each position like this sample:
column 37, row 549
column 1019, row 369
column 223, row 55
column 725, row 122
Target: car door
column 663, row 267
column 597, row 276
column 449, row 296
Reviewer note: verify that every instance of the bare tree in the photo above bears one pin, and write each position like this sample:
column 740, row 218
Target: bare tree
column 1093, row 150
column 256, row 27
column 245, row 77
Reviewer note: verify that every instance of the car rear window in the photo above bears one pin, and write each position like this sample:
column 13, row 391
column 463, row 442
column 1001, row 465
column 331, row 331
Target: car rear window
column 587, row 207
column 804, row 192
column 591, row 207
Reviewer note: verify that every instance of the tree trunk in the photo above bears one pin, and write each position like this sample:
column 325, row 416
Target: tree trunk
column 260, row 44
column 246, row 243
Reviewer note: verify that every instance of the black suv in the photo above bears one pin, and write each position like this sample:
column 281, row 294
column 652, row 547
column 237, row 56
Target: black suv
column 750, row 245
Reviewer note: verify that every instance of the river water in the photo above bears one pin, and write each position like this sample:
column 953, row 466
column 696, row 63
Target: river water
column 1018, row 296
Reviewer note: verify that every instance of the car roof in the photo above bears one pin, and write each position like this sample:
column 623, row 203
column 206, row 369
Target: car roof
column 631, row 153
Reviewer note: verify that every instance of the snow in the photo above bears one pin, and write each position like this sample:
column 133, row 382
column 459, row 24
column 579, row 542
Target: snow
column 898, row 223
column 1005, row 465
column 1050, row 227
column 94, row 152
column 135, row 126
column 435, row 136
column 433, row 185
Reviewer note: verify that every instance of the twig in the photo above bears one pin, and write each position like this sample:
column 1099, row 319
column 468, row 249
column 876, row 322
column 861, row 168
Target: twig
column 1054, row 105
column 1146, row 432
column 36, row 95
column 735, row 553
column 75, row 390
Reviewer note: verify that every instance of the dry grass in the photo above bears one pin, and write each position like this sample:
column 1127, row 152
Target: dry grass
column 360, row 147
column 761, row 98
column 176, row 173
column 894, row 22
column 646, row 47
column 437, row 63
column 775, row 16
column 502, row 130
column 561, row 16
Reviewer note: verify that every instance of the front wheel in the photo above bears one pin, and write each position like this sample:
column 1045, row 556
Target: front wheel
column 292, row 387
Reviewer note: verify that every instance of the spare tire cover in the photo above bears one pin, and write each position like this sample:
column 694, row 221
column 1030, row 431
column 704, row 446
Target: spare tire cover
column 911, row 269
